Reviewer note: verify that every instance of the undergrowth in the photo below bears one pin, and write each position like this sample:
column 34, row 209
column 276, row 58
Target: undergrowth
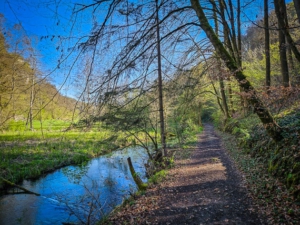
column 272, row 169
column 271, row 195
column 158, row 177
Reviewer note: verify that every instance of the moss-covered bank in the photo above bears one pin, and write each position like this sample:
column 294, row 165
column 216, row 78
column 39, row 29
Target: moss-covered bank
column 272, row 169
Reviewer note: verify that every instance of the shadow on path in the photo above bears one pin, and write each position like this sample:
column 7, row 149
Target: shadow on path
column 204, row 189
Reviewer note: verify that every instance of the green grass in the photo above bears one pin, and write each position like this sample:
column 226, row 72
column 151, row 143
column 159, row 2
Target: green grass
column 158, row 177
column 29, row 154
column 51, row 129
column 20, row 136
column 19, row 162
column 53, row 125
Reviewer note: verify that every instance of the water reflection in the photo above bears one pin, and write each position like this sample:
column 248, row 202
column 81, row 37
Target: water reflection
column 75, row 194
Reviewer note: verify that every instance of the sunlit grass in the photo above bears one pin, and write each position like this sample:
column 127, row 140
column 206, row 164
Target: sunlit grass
column 30, row 154
column 44, row 135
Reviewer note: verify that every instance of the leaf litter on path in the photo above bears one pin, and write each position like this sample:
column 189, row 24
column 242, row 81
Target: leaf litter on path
column 206, row 188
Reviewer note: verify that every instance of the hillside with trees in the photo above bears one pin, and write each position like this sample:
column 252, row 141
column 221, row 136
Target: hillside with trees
column 25, row 94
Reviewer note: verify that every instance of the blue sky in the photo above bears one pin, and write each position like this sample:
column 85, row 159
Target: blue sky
column 37, row 20
column 43, row 21
column 50, row 18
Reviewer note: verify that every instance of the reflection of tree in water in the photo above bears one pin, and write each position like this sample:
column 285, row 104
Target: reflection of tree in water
column 75, row 174
column 86, row 208
column 109, row 182
column 121, row 164
column 103, row 185
column 112, row 192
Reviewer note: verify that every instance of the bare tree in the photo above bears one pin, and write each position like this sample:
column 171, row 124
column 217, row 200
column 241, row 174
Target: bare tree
column 281, row 14
column 160, row 85
column 136, row 54
column 297, row 7
column 259, row 108
column 280, row 10
column 267, row 43
column 220, row 77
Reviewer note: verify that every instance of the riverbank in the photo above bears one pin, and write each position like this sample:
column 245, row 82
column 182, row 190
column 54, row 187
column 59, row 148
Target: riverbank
column 75, row 194
column 204, row 187
column 33, row 158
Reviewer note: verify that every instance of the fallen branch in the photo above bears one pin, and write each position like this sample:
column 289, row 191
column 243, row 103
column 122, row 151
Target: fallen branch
column 136, row 178
column 18, row 186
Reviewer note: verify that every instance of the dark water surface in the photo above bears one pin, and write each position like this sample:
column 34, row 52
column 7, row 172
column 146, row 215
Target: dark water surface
column 75, row 194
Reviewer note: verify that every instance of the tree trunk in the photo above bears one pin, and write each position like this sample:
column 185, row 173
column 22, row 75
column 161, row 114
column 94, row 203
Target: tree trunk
column 221, row 82
column 267, row 44
column 283, row 59
column 230, row 97
column 226, row 32
column 136, row 178
column 160, row 91
column 292, row 70
column 239, row 38
column 266, row 118
column 228, row 44
column 280, row 10
column 297, row 8
column 199, row 114
column 233, row 34
column 223, row 95
column 31, row 103
column 218, row 98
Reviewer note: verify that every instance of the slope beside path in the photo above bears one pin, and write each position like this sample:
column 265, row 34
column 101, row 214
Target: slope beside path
column 205, row 188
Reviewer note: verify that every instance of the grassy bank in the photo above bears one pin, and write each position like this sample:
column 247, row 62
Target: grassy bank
column 30, row 154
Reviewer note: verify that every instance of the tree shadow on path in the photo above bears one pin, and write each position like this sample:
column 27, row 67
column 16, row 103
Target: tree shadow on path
column 204, row 189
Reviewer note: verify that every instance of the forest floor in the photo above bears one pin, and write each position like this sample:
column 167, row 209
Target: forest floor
column 204, row 188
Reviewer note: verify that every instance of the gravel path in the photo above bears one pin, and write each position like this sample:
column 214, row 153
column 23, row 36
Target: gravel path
column 206, row 188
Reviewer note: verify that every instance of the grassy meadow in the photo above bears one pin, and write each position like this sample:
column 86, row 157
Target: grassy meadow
column 53, row 144
column 30, row 154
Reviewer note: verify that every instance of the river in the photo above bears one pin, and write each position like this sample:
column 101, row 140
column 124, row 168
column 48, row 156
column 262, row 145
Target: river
column 75, row 194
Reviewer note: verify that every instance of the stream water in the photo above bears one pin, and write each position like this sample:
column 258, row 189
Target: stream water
column 75, row 194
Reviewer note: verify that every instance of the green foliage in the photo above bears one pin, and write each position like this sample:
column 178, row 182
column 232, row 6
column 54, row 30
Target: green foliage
column 241, row 127
column 254, row 66
column 158, row 177
column 183, row 128
column 269, row 191
column 20, row 160
column 244, row 133
column 171, row 161
column 283, row 158
column 24, row 89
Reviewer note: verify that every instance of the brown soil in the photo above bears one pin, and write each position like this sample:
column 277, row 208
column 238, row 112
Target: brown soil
column 205, row 188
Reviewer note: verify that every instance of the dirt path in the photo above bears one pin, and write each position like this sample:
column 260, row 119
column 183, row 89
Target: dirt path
column 206, row 188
